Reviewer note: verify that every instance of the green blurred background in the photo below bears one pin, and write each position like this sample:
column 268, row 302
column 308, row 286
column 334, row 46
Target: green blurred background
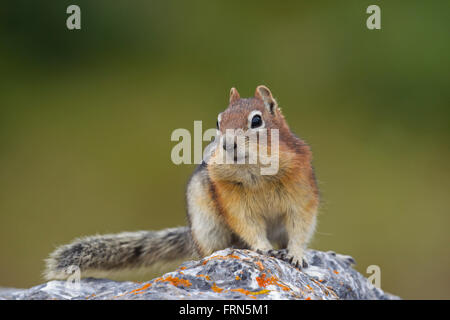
column 86, row 118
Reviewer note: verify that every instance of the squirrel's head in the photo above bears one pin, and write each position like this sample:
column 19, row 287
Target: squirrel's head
column 246, row 135
column 256, row 113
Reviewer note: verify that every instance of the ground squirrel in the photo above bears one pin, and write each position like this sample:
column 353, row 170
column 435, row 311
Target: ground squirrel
column 227, row 204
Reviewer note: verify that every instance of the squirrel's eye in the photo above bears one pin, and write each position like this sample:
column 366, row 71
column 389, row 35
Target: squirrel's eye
column 217, row 124
column 256, row 121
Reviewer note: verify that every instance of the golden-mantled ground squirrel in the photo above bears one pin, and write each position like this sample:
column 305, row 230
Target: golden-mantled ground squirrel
column 227, row 205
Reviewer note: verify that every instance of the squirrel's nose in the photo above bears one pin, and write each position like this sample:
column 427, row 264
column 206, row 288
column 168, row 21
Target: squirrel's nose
column 229, row 145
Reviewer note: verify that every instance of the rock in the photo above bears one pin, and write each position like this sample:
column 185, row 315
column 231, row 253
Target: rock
column 226, row 274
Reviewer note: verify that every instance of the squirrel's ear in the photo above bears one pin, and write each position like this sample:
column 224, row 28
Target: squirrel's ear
column 263, row 93
column 234, row 95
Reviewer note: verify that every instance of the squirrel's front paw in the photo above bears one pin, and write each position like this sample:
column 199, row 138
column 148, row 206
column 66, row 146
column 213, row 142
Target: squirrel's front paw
column 285, row 256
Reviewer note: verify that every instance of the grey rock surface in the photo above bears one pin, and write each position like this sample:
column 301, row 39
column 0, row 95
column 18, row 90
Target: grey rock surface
column 226, row 274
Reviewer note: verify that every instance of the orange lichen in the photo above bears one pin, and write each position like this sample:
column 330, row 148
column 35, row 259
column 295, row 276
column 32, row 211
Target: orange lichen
column 264, row 291
column 204, row 276
column 284, row 287
column 264, row 281
column 251, row 294
column 309, row 287
column 238, row 278
column 335, row 271
column 215, row 288
column 141, row 289
column 246, row 292
column 308, row 298
column 175, row 281
column 233, row 256
column 260, row 265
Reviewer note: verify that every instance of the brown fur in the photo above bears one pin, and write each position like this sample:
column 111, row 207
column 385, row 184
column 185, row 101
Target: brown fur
column 249, row 203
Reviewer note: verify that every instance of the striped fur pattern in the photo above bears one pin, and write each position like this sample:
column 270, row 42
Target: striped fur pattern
column 104, row 254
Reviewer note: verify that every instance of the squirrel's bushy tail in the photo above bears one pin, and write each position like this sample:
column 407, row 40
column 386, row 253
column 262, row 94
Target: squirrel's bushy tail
column 114, row 252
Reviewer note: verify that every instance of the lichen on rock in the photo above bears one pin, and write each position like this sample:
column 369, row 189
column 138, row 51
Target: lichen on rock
column 226, row 274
